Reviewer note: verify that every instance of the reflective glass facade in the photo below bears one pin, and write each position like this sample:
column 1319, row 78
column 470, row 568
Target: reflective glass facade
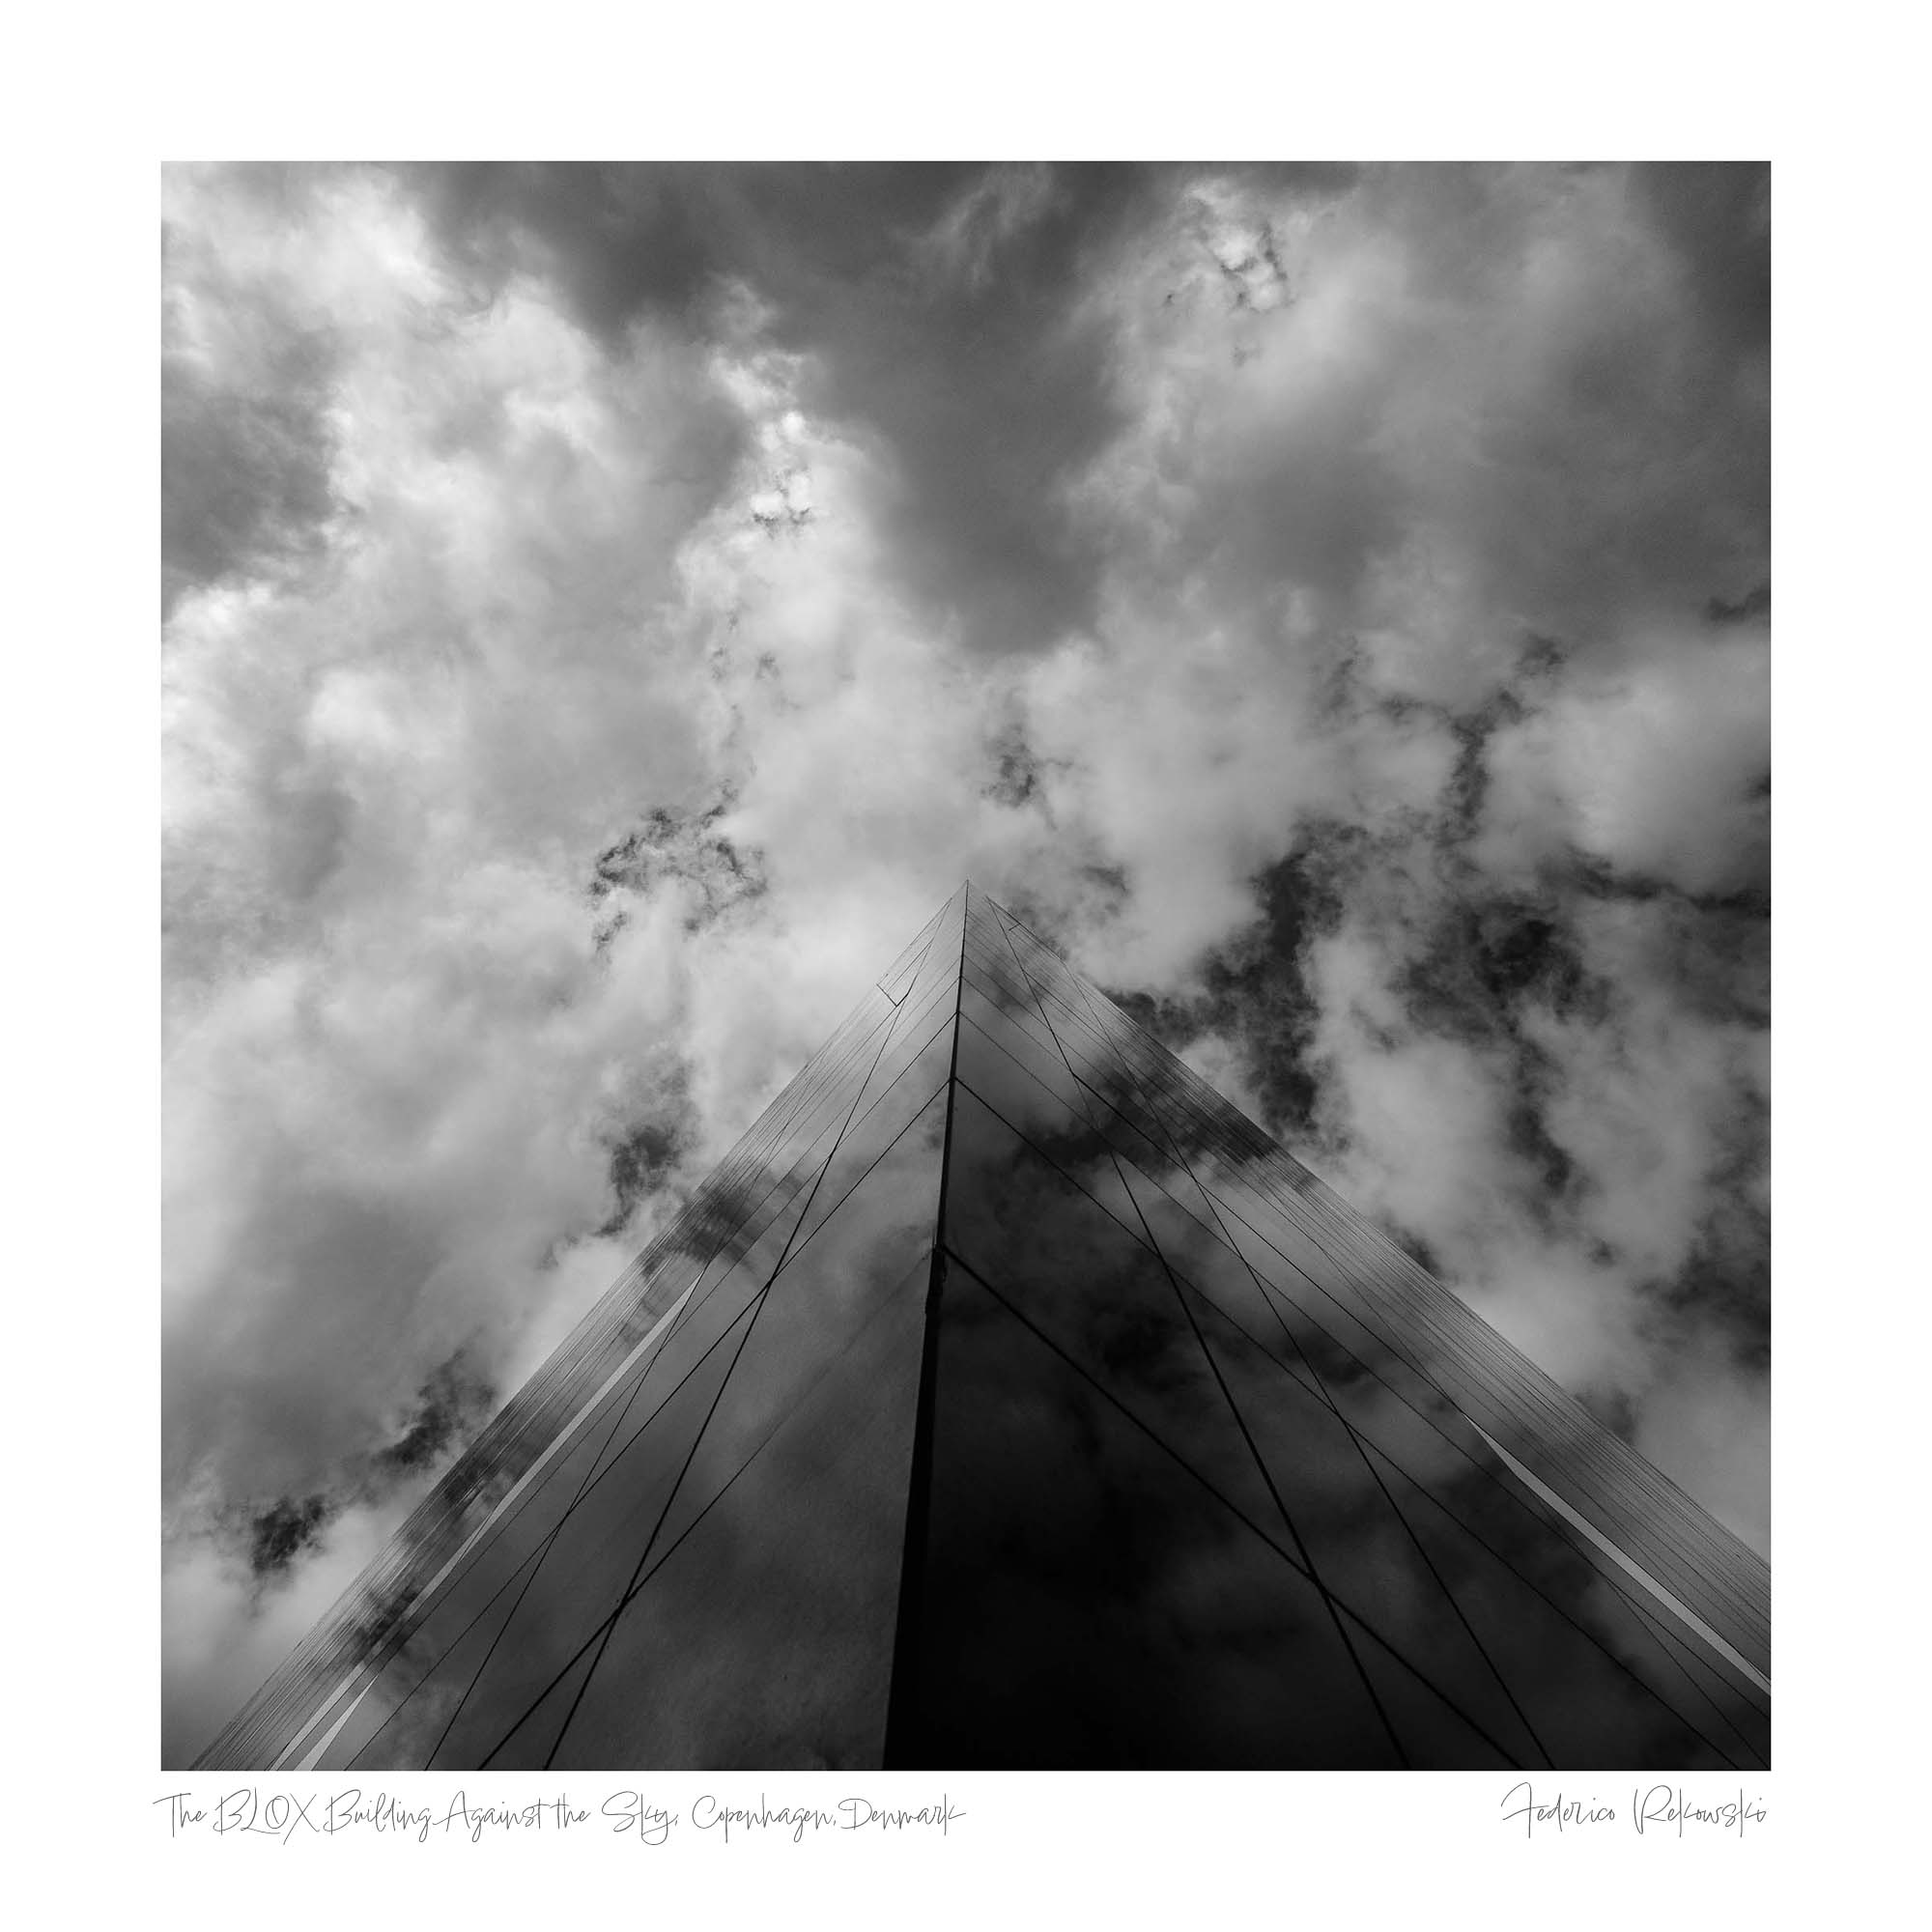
column 1006, row 1399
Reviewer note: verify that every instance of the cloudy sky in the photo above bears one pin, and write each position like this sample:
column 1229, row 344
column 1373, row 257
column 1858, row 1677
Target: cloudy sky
column 606, row 611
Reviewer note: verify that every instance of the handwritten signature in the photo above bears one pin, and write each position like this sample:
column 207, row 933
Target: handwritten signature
column 1659, row 1810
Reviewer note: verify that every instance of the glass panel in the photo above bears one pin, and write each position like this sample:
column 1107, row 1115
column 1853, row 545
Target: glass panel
column 1360, row 1268
column 403, row 1718
column 925, row 1016
column 421, row 1598
column 1089, row 1603
column 1568, row 1648
column 529, row 1745
column 1435, row 1735
column 467, row 1613
column 553, row 1593
column 753, row 1534
column 595, row 1557
column 898, row 975
column 1379, row 1568
column 1099, row 1297
column 1055, row 1001
column 1008, row 1088
column 1000, row 993
column 1037, row 1055
column 1156, row 1160
column 488, row 1577
column 1188, row 1227
column 1104, row 1099
column 1385, row 1404
column 1114, row 1309
column 819, row 1098
column 929, row 1005
column 829, row 1283
column 1368, row 1558
column 1739, row 1713
column 873, row 1133
column 573, row 1579
column 764, row 1637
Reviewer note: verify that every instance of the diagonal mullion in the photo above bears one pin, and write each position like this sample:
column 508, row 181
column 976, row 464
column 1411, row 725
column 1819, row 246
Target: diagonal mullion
column 1269, row 1294
column 1328, row 1398
column 696, row 1440
column 1667, row 1632
column 601, row 1633
column 1227, row 1394
column 603, row 1469
column 605, row 1464
column 1097, row 1027
column 1707, row 1567
column 1288, row 1556
column 536, row 1554
column 597, row 1465
column 285, row 1712
column 1513, row 1498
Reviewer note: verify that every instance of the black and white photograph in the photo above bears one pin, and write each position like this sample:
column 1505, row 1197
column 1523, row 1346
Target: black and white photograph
column 966, row 967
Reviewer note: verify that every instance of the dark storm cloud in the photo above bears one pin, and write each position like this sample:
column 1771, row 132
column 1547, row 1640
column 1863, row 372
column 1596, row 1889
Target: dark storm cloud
column 453, row 1402
column 673, row 843
column 1555, row 469
column 942, row 311
column 947, row 318
column 621, row 241
column 245, row 452
column 639, row 1163
column 284, row 1530
column 1717, row 217
column 1254, row 990
column 1490, row 965
column 455, row 1399
column 245, row 478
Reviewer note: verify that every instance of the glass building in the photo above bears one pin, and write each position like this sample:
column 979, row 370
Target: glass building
column 1006, row 1399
